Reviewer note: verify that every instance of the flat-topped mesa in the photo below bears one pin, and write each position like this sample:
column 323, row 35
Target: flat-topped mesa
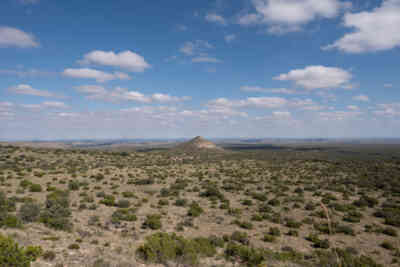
column 197, row 143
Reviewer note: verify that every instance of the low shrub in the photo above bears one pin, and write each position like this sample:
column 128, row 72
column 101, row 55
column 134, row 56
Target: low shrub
column 56, row 213
column 123, row 215
column 29, row 212
column 153, row 222
column 35, row 188
column 12, row 255
column 195, row 210
column 163, row 248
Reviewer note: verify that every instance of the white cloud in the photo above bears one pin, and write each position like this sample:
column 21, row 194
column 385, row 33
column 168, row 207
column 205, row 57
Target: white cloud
column 388, row 85
column 32, row 106
column 205, row 59
column 195, row 47
column 266, row 102
column 372, row 31
column 26, row 89
column 6, row 106
column 317, row 77
column 68, row 114
column 389, row 110
column 213, row 17
column 260, row 102
column 290, row 15
column 99, row 76
column 54, row 104
column 127, row 60
column 91, row 89
column 230, row 37
column 282, row 114
column 257, row 89
column 47, row 104
column 249, row 19
column 163, row 98
column 14, row 37
column 362, row 98
column 123, row 94
column 353, row 107
column 340, row 115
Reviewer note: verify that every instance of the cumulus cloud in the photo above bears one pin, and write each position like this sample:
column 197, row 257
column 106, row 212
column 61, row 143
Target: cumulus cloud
column 213, row 17
column 258, row 89
column 47, row 104
column 127, row 60
column 99, row 76
column 195, row 47
column 290, row 15
column 54, row 104
column 91, row 89
column 26, row 89
column 389, row 110
column 353, row 107
column 376, row 30
column 362, row 98
column 198, row 50
column 282, row 114
column 230, row 38
column 260, row 102
column 6, row 106
column 339, row 115
column 123, row 94
column 10, row 37
column 317, row 77
column 205, row 59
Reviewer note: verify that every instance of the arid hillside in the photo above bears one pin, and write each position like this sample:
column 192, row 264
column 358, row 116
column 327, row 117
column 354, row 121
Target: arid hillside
column 166, row 208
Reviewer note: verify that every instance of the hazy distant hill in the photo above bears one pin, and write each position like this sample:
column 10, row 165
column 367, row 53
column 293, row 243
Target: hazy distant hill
column 197, row 143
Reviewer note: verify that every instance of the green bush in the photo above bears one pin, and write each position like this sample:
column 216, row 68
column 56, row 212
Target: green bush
column 240, row 237
column 128, row 194
column 11, row 255
column 29, row 212
column 163, row 248
column 123, row 215
column 25, row 183
column 388, row 245
column 49, row 255
column 73, row 185
column 274, row 231
column 195, row 210
column 35, row 188
column 56, row 213
column 343, row 258
column 269, row 238
column 108, row 200
column 180, row 202
column 74, row 246
column 249, row 256
column 389, row 231
column 153, row 222
column 244, row 224
column 291, row 223
column 123, row 203
column 10, row 220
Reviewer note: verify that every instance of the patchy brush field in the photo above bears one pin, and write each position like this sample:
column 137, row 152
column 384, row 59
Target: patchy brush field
column 97, row 208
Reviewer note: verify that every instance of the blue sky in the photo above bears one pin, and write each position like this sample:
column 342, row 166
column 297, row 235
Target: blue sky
column 219, row 68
